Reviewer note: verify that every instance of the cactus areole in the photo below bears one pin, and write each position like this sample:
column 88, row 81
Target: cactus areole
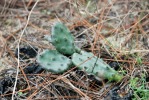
column 53, row 61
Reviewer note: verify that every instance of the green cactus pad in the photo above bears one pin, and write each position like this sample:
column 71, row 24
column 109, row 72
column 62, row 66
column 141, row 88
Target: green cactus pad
column 53, row 61
column 86, row 61
column 62, row 39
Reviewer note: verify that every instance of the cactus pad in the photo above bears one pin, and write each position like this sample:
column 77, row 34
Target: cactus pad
column 53, row 61
column 62, row 39
column 89, row 63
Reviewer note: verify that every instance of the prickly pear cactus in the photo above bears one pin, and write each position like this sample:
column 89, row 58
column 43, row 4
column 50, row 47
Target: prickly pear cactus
column 53, row 61
column 62, row 39
column 89, row 63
